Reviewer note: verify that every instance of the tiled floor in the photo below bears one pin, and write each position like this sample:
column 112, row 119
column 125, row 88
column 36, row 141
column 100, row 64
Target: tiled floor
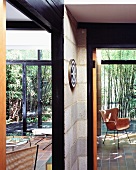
column 43, row 155
column 109, row 157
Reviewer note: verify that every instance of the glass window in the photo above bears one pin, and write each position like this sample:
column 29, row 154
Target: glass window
column 21, row 54
column 118, row 54
column 118, row 88
column 45, row 55
column 27, row 54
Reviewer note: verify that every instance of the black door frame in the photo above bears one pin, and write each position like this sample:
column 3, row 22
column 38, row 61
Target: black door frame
column 103, row 35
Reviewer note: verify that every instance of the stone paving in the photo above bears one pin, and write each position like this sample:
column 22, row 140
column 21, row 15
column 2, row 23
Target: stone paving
column 109, row 157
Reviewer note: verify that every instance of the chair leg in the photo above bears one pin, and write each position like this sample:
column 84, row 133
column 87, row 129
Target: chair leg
column 105, row 137
column 114, row 134
column 36, row 157
column 118, row 139
column 127, row 136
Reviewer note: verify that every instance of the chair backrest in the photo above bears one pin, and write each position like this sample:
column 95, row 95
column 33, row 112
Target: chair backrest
column 109, row 114
column 23, row 159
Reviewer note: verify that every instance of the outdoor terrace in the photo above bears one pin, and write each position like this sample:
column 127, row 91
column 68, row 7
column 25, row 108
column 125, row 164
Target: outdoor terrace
column 43, row 154
column 109, row 157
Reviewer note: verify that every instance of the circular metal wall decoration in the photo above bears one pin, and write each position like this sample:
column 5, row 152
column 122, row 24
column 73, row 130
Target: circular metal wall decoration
column 72, row 73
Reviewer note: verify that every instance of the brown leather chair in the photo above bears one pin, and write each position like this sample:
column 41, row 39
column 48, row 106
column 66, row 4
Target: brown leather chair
column 113, row 123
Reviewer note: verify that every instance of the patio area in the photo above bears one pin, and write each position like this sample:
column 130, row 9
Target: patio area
column 109, row 157
column 43, row 154
column 17, row 127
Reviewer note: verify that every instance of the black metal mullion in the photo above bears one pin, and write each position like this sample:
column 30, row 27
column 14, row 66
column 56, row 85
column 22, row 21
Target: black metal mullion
column 30, row 62
column 118, row 61
column 39, row 54
column 24, row 91
column 39, row 98
column 39, row 93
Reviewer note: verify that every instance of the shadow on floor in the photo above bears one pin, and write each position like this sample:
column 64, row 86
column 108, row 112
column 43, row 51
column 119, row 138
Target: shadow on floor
column 109, row 157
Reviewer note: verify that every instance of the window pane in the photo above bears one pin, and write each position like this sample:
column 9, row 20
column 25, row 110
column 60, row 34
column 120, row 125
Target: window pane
column 14, row 115
column 110, row 54
column 45, row 55
column 21, row 55
column 32, row 96
column 46, row 95
column 118, row 88
column 28, row 54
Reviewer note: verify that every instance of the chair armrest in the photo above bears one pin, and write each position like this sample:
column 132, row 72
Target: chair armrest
column 111, row 125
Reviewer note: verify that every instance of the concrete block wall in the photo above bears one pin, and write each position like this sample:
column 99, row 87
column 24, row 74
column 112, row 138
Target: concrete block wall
column 82, row 99
column 70, row 97
column 75, row 103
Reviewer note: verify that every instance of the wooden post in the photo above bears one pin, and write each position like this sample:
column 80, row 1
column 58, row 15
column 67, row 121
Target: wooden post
column 3, row 84
column 94, row 115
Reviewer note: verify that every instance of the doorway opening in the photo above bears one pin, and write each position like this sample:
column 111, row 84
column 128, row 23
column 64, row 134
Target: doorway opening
column 29, row 82
column 116, row 88
column 118, row 81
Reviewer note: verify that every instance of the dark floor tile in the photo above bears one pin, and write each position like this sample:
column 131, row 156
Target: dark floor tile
column 129, row 156
column 99, row 165
column 130, row 162
column 98, row 168
column 113, row 164
column 113, row 168
column 131, row 167
column 122, row 161
column 122, row 168
column 113, row 158
column 105, row 167
column 134, row 154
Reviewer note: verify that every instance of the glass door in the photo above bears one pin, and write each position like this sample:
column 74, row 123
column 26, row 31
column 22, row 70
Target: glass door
column 46, row 95
column 14, row 117
column 29, row 89
column 31, row 97
column 38, row 96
